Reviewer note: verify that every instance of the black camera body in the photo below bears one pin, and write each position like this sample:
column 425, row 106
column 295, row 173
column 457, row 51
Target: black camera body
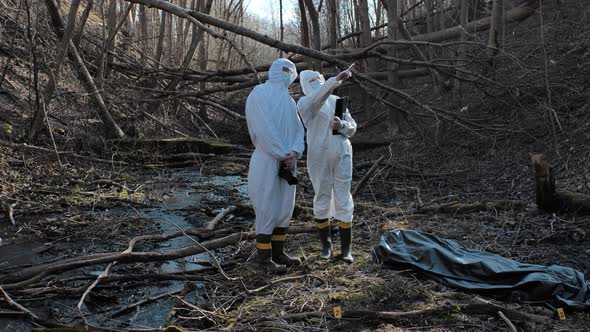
column 287, row 175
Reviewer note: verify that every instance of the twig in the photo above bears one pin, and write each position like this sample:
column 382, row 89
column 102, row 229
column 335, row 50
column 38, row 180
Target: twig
column 507, row 321
column 144, row 301
column 104, row 274
column 274, row 282
column 213, row 223
column 361, row 184
column 12, row 303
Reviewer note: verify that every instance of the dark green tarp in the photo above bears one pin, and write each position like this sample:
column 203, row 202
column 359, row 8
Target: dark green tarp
column 451, row 263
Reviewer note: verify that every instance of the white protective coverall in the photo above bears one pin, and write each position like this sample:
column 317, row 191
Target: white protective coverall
column 275, row 130
column 329, row 157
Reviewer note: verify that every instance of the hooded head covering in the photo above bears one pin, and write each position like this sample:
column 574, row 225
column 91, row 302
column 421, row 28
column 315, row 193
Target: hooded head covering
column 305, row 77
column 275, row 73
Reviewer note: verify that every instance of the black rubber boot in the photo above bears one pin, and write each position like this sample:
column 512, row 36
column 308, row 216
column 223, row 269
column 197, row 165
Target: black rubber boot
column 324, row 231
column 346, row 241
column 278, row 248
column 263, row 255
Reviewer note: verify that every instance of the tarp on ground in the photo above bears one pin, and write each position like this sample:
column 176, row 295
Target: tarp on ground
column 451, row 263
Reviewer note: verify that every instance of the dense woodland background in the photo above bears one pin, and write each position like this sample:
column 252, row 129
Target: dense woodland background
column 451, row 96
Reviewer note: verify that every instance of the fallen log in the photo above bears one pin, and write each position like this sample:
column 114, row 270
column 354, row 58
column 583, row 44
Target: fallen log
column 514, row 15
column 175, row 145
column 25, row 277
column 550, row 200
column 481, row 308
column 459, row 207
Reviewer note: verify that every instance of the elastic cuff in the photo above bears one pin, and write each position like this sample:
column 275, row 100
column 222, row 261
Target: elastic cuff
column 344, row 225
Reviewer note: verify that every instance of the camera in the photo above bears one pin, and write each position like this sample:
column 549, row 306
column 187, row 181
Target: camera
column 286, row 174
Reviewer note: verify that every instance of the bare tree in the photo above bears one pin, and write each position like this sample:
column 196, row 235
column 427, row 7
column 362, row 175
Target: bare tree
column 333, row 26
column 144, row 35
column 496, row 33
column 317, row 34
column 395, row 117
column 160, row 45
column 40, row 117
column 82, row 24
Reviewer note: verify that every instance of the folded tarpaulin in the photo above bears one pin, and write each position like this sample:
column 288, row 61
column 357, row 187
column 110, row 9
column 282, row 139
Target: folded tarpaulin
column 451, row 263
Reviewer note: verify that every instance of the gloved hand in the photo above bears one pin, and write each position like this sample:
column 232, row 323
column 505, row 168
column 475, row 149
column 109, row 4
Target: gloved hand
column 290, row 159
column 336, row 123
column 344, row 75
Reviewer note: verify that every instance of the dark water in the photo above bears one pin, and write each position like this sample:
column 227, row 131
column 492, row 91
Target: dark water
column 181, row 192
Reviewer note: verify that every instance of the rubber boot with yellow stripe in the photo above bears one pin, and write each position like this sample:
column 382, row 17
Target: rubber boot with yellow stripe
column 278, row 248
column 324, row 231
column 346, row 240
column 264, row 252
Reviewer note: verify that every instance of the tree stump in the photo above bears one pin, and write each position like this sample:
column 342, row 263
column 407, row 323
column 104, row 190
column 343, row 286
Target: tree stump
column 550, row 200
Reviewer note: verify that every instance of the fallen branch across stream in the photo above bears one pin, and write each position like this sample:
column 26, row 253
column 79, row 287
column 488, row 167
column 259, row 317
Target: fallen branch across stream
column 25, row 277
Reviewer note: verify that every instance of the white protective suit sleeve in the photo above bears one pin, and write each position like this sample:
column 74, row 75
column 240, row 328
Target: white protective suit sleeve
column 349, row 125
column 299, row 145
column 313, row 102
column 264, row 133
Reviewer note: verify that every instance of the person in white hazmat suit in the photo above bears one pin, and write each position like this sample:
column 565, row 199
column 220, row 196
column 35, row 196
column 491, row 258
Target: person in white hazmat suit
column 277, row 134
column 329, row 158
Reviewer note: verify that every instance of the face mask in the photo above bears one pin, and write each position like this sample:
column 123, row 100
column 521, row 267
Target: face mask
column 315, row 84
column 287, row 79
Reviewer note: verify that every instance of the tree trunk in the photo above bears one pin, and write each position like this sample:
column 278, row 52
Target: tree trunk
column 161, row 35
column 464, row 21
column 143, row 35
column 317, row 34
column 496, row 34
column 204, row 58
column 170, row 53
column 111, row 42
column 179, row 31
column 39, row 117
column 282, row 27
column 548, row 199
column 78, row 36
column 395, row 117
column 111, row 128
column 333, row 26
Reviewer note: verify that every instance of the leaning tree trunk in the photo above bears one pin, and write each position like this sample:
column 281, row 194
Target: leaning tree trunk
column 40, row 112
column 111, row 129
column 78, row 36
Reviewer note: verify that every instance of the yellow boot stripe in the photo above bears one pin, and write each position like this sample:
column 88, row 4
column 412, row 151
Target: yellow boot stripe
column 323, row 225
column 263, row 246
column 277, row 238
column 345, row 225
